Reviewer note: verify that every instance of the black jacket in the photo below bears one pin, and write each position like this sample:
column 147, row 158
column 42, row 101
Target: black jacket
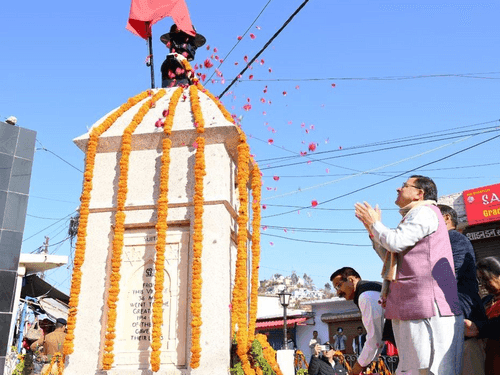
column 321, row 366
column 465, row 271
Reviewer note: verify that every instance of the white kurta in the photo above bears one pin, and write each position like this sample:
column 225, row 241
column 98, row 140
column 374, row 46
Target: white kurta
column 372, row 315
column 426, row 346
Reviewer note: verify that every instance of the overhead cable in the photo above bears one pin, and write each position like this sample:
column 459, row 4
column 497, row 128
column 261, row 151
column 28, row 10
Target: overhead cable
column 391, row 178
column 252, row 60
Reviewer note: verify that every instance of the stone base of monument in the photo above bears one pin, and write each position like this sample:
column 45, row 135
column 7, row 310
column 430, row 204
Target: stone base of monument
column 285, row 359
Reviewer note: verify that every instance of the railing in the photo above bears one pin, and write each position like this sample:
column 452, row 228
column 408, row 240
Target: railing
column 390, row 361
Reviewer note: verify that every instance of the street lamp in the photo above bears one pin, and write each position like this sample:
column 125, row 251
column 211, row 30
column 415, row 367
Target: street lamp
column 285, row 301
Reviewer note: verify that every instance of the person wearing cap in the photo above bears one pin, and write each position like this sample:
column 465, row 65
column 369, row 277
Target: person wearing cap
column 339, row 340
column 52, row 343
column 182, row 46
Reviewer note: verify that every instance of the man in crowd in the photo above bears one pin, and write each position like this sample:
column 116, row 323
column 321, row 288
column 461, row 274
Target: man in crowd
column 339, row 340
column 365, row 295
column 421, row 297
column 358, row 341
column 468, row 290
column 290, row 342
column 315, row 340
column 51, row 343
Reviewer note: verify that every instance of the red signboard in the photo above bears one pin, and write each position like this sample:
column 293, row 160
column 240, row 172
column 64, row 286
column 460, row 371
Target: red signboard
column 482, row 204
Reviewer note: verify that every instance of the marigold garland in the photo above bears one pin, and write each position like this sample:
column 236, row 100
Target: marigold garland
column 256, row 186
column 219, row 105
column 244, row 333
column 240, row 292
column 196, row 322
column 114, row 288
column 58, row 360
column 199, row 122
column 161, row 230
column 300, row 360
column 76, row 280
column 269, row 353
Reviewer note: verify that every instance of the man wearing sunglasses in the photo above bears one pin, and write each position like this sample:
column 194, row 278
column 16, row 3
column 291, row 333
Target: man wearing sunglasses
column 420, row 289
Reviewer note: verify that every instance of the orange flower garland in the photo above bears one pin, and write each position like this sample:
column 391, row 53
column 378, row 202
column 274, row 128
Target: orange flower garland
column 196, row 322
column 199, row 174
column 240, row 292
column 76, row 280
column 161, row 230
column 256, row 185
column 114, row 288
column 58, row 360
column 269, row 353
column 199, row 122
column 219, row 105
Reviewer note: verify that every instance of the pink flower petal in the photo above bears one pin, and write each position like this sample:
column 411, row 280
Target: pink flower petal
column 276, row 178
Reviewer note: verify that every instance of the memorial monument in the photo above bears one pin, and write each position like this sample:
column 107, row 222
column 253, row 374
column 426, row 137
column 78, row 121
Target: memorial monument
column 166, row 262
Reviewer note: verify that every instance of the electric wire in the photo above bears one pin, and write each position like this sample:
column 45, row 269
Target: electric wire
column 392, row 172
column 52, row 199
column 239, row 40
column 381, row 78
column 43, row 148
column 313, row 230
column 446, row 132
column 378, row 150
column 368, row 171
column 391, row 178
column 252, row 60
column 43, row 218
column 312, row 241
column 33, row 235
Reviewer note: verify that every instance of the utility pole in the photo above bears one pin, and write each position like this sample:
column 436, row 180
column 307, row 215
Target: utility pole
column 45, row 250
column 46, row 245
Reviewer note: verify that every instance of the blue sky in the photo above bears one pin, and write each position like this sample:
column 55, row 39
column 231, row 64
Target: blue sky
column 399, row 68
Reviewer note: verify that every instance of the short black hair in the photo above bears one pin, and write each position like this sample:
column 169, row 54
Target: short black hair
column 447, row 210
column 427, row 185
column 489, row 267
column 345, row 272
column 361, row 328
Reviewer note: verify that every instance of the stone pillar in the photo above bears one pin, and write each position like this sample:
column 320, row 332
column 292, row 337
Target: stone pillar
column 134, row 311
column 17, row 147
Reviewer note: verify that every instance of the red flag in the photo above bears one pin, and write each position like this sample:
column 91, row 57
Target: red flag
column 144, row 13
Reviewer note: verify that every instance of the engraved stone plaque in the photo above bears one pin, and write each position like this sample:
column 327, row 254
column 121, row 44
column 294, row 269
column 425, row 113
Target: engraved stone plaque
column 135, row 306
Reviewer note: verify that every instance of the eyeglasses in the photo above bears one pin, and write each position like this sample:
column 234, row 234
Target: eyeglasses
column 408, row 185
column 339, row 285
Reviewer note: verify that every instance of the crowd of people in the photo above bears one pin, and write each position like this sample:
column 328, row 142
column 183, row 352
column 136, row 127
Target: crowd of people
column 41, row 350
column 428, row 303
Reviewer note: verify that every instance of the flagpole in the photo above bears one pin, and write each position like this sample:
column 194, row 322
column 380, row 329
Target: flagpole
column 150, row 45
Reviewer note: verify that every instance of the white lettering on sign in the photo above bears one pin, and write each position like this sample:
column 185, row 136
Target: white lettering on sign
column 487, row 200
